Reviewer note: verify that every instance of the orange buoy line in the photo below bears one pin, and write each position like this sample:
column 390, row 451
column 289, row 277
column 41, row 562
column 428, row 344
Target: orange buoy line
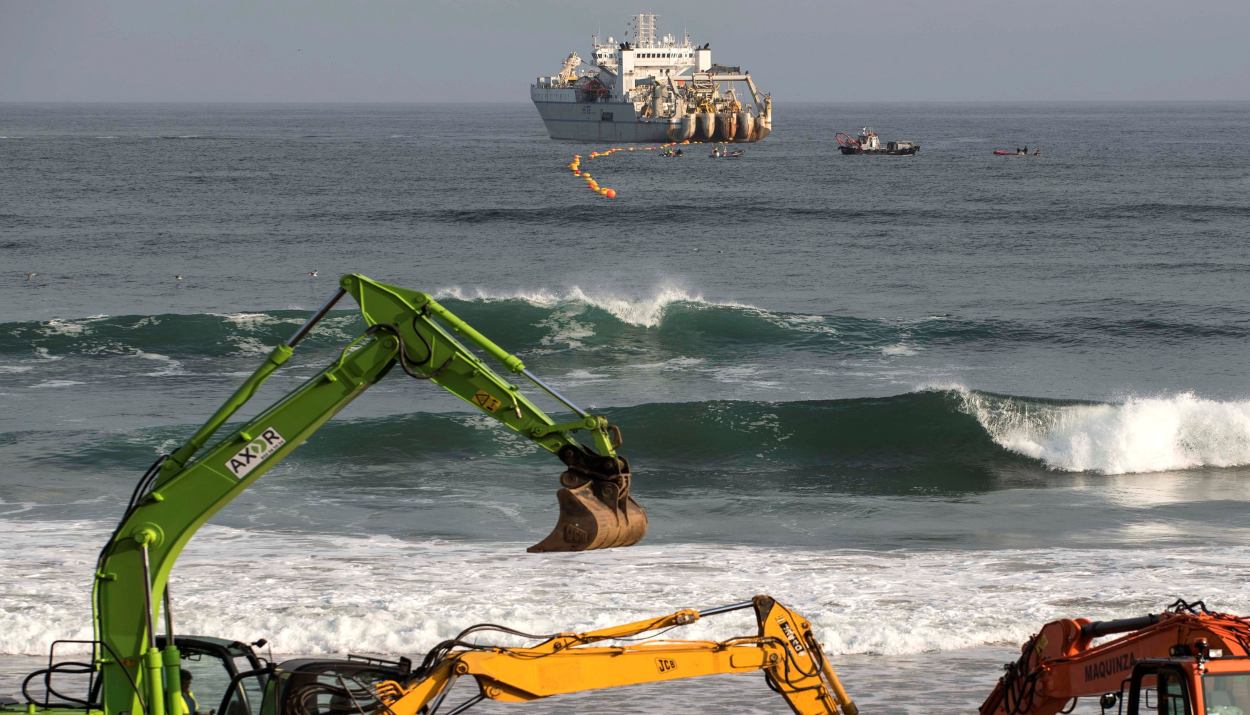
column 575, row 165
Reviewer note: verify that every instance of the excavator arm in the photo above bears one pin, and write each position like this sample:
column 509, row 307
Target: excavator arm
column 183, row 490
column 784, row 649
column 1063, row 662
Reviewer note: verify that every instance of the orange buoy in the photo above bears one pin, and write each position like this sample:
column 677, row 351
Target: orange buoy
column 610, row 193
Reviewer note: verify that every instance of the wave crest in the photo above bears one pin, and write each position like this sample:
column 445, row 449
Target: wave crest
column 644, row 311
column 1140, row 434
column 948, row 440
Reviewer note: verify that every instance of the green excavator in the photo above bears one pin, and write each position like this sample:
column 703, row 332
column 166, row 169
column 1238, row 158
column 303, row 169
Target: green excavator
column 133, row 668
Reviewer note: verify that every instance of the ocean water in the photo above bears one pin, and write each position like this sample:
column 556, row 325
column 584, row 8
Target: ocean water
column 929, row 402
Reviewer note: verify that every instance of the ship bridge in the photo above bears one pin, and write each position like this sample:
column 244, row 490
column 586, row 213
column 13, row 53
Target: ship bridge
column 644, row 55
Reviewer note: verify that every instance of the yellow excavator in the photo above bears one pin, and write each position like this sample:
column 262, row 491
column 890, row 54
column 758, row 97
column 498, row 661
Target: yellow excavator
column 784, row 649
column 136, row 671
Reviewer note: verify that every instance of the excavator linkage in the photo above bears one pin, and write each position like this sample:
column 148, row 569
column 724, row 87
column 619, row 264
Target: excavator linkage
column 596, row 510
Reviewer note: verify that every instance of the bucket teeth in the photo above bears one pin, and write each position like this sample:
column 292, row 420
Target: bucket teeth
column 598, row 514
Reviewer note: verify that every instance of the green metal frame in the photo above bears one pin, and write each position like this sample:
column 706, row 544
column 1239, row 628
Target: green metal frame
column 195, row 482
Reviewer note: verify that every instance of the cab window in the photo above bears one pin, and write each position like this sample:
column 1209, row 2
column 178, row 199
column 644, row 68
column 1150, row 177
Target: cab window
column 1226, row 694
column 1166, row 696
column 246, row 695
column 206, row 678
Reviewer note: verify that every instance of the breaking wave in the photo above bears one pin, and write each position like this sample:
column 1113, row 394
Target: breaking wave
column 1140, row 434
column 670, row 318
column 644, row 312
column 942, row 438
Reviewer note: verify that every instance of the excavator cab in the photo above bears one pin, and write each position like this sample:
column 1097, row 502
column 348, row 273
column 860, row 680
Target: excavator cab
column 214, row 665
column 1184, row 686
column 1160, row 687
column 1185, row 660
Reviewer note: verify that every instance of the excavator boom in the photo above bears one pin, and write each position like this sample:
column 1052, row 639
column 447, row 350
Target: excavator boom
column 784, row 649
column 183, row 490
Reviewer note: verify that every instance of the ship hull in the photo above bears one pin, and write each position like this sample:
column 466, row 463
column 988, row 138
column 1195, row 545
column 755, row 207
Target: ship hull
column 609, row 122
column 887, row 152
column 606, row 122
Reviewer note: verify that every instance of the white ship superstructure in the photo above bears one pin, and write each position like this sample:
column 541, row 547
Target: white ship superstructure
column 650, row 88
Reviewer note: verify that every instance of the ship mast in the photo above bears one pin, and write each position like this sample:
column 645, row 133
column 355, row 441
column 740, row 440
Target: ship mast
column 644, row 29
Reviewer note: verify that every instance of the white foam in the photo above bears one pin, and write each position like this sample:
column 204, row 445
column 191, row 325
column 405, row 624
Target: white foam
column 899, row 350
column 672, row 364
column 14, row 369
column 171, row 366
column 249, row 321
column 582, row 376
column 250, row 346
column 70, row 326
column 741, row 375
column 1140, row 434
column 55, row 383
column 644, row 311
column 798, row 323
column 10, row 508
column 312, row 593
column 565, row 329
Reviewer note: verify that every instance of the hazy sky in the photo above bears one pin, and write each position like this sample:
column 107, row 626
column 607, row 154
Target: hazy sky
column 484, row 50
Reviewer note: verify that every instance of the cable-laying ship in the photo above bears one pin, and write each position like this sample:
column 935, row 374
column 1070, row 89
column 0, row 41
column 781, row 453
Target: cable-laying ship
column 650, row 88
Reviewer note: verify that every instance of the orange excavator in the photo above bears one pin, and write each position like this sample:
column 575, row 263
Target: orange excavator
column 1187, row 660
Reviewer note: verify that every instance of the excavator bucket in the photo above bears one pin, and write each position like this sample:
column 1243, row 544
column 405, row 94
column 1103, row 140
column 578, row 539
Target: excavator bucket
column 595, row 513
